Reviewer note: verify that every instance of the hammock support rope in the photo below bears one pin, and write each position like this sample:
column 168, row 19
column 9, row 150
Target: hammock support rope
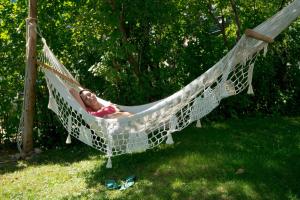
column 53, row 70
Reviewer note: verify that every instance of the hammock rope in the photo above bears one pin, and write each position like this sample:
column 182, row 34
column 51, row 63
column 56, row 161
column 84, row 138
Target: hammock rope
column 62, row 76
column 153, row 123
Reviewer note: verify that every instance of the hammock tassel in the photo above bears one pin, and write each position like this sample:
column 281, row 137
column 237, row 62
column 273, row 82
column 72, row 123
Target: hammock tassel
column 169, row 139
column 68, row 140
column 250, row 90
column 109, row 163
column 198, row 124
column 265, row 50
column 250, row 75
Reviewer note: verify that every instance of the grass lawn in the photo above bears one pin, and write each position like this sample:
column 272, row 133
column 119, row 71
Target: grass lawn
column 252, row 158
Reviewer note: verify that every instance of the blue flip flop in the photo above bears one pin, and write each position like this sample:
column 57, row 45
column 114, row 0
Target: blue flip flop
column 128, row 182
column 112, row 184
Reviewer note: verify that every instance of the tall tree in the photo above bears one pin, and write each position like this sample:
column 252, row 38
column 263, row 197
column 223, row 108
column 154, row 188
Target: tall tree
column 30, row 75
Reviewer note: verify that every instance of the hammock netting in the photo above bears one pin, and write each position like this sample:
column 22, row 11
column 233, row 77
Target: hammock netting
column 153, row 123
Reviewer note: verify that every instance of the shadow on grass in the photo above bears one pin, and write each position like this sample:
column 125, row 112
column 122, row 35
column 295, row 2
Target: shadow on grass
column 7, row 164
column 62, row 156
column 9, row 167
column 239, row 159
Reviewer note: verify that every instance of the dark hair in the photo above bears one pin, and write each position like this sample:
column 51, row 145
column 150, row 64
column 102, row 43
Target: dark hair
column 81, row 91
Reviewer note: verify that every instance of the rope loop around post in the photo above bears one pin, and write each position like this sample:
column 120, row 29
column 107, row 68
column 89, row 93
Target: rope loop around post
column 30, row 19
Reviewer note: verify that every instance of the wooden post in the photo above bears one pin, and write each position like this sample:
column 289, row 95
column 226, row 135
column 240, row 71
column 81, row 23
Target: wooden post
column 30, row 78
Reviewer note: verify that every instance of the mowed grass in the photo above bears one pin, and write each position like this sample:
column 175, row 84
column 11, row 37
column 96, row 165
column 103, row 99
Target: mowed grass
column 252, row 158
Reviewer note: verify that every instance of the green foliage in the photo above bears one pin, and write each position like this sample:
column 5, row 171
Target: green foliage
column 134, row 52
column 12, row 48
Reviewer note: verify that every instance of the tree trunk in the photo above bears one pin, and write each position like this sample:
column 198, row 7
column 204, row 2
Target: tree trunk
column 30, row 78
column 237, row 20
column 130, row 58
column 221, row 26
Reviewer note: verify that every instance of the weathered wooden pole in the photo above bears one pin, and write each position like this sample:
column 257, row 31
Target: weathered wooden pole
column 30, row 78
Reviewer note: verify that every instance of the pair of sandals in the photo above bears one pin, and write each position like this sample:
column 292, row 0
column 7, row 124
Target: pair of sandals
column 113, row 185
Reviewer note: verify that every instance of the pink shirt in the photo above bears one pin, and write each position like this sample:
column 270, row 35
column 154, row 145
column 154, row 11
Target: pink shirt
column 103, row 112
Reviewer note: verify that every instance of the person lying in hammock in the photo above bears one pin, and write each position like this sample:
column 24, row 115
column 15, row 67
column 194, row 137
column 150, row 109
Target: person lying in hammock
column 89, row 102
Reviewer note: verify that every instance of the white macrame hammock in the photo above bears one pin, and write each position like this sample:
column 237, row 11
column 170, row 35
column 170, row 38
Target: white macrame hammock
column 153, row 123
